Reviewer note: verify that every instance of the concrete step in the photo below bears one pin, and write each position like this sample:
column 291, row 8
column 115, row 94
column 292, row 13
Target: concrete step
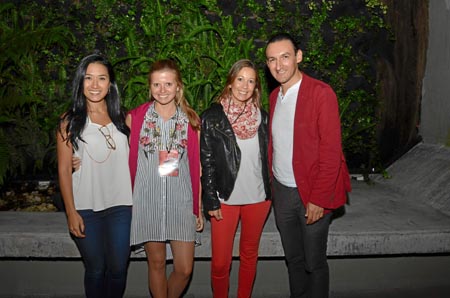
column 406, row 214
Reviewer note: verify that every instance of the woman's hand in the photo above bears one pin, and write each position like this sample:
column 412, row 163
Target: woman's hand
column 217, row 214
column 64, row 151
column 76, row 163
column 199, row 223
column 76, row 224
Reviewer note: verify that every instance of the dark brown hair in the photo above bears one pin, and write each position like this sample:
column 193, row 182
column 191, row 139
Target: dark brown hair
column 232, row 74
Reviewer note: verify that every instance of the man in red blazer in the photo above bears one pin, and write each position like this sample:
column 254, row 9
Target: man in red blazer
column 310, row 175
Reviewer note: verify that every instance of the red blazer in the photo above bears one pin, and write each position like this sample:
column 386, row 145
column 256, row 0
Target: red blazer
column 319, row 164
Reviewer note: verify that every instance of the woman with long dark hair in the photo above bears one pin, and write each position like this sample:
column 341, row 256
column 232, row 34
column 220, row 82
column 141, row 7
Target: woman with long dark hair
column 97, row 196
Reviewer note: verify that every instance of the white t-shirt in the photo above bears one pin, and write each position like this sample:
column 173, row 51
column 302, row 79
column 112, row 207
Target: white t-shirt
column 249, row 185
column 283, row 136
column 103, row 180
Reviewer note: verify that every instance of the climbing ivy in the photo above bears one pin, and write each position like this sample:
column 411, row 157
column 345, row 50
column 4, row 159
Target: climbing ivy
column 339, row 40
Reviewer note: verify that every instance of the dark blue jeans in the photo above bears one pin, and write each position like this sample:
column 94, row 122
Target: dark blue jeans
column 305, row 246
column 105, row 251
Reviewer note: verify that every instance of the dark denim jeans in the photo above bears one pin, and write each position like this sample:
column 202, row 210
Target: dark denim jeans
column 305, row 246
column 105, row 251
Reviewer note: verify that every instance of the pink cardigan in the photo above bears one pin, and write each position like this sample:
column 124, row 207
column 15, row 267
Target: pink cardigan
column 137, row 115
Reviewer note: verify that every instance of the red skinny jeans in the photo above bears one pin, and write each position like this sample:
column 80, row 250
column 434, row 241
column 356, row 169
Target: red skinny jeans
column 252, row 217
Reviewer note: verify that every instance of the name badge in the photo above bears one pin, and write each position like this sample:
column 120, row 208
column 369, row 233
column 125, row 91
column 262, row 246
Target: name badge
column 168, row 163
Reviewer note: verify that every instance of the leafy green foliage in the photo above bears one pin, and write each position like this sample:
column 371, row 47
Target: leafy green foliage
column 204, row 50
column 338, row 41
column 32, row 81
column 42, row 41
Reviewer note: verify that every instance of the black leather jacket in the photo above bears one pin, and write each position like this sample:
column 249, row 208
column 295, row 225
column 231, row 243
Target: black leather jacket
column 220, row 156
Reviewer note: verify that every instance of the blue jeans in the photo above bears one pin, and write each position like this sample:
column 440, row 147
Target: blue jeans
column 105, row 251
column 305, row 246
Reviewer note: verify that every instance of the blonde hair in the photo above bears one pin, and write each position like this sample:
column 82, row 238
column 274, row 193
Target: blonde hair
column 180, row 100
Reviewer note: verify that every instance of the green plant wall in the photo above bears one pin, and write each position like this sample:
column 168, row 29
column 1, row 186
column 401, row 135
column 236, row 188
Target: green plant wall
column 42, row 42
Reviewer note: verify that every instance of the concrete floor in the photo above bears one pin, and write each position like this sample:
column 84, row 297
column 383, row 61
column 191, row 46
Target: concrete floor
column 368, row 277
column 442, row 292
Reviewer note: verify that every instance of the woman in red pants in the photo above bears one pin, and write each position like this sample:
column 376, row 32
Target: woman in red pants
column 235, row 176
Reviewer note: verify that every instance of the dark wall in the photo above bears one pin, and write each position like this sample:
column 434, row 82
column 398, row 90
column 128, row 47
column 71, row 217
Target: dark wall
column 435, row 112
column 400, row 75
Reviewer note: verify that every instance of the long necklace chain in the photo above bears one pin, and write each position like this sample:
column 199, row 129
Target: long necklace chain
column 93, row 159
column 96, row 161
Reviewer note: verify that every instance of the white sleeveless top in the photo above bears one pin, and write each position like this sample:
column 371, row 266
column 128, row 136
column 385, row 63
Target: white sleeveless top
column 103, row 180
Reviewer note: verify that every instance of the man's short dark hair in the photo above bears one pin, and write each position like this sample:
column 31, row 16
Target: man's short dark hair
column 284, row 36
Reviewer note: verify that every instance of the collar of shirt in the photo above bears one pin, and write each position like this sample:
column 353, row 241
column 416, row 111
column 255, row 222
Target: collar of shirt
column 292, row 90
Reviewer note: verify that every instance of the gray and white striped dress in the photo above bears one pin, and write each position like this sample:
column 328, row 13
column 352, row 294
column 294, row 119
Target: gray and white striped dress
column 162, row 206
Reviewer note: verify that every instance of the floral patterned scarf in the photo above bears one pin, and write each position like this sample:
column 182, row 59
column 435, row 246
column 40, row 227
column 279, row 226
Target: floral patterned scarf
column 150, row 136
column 243, row 118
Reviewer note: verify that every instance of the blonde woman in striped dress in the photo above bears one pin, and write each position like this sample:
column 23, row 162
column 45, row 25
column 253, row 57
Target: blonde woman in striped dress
column 165, row 170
